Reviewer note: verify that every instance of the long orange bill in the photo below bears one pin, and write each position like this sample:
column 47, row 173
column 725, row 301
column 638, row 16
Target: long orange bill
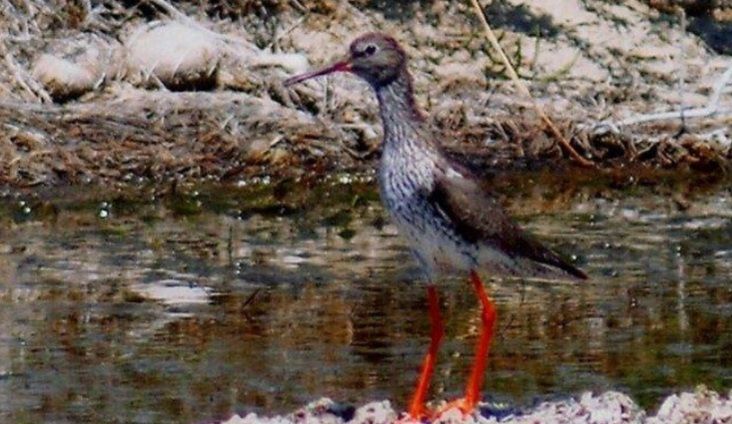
column 339, row 66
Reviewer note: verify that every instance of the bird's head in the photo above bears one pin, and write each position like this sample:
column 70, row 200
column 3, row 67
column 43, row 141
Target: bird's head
column 375, row 57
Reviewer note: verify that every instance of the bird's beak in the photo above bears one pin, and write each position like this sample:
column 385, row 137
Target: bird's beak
column 343, row 65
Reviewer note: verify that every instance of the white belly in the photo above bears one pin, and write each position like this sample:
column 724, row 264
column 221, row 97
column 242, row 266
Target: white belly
column 405, row 187
column 436, row 251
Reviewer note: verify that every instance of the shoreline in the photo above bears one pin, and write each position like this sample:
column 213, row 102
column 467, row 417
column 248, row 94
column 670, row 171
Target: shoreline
column 702, row 406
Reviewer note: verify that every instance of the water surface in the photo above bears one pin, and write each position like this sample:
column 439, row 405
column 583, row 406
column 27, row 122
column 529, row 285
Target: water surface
column 190, row 306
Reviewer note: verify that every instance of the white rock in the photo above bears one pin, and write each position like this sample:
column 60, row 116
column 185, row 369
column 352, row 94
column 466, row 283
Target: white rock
column 74, row 66
column 375, row 413
column 62, row 78
column 176, row 55
column 294, row 63
column 703, row 406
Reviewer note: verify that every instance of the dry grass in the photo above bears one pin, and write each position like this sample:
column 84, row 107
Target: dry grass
column 249, row 124
column 163, row 138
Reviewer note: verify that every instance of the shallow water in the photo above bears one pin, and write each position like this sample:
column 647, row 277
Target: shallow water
column 192, row 306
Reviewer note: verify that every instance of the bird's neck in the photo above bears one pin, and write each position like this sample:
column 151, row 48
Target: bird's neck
column 400, row 115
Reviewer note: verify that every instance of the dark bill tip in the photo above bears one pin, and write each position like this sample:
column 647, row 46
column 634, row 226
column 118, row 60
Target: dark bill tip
column 340, row 66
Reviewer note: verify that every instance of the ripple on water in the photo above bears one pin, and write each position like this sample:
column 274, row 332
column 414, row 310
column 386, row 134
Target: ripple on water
column 152, row 314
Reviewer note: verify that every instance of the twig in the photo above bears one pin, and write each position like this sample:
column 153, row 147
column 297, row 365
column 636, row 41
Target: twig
column 299, row 6
column 703, row 112
column 719, row 87
column 682, row 69
column 284, row 33
column 525, row 91
column 251, row 297
column 172, row 11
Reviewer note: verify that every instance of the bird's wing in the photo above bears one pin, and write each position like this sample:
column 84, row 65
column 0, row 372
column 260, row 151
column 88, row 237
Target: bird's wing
column 480, row 219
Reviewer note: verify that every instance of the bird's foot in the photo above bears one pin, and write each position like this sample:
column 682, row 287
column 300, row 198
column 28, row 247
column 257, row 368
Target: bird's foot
column 462, row 406
column 409, row 418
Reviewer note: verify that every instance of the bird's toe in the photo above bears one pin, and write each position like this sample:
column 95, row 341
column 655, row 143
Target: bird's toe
column 407, row 418
column 457, row 409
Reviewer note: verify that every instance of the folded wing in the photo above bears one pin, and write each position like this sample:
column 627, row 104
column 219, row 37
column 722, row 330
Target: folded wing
column 480, row 219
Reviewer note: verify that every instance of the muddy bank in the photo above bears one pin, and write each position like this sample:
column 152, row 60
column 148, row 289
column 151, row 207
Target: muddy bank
column 700, row 407
column 159, row 137
column 162, row 92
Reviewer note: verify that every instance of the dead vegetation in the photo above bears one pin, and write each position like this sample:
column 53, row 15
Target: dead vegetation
column 138, row 91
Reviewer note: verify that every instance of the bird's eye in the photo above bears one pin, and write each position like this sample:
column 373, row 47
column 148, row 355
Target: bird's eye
column 370, row 49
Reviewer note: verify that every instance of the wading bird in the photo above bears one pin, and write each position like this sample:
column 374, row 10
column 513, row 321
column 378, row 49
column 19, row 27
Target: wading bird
column 451, row 222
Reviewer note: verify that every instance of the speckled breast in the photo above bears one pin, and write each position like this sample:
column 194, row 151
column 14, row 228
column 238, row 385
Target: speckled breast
column 430, row 234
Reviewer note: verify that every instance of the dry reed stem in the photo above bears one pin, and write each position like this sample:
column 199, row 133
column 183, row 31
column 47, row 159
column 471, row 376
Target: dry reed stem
column 563, row 142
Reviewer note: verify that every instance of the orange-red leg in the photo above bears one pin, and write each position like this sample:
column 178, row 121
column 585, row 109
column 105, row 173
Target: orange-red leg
column 489, row 316
column 416, row 406
column 482, row 350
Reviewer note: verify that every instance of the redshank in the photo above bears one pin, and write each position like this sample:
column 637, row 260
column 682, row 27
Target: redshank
column 452, row 223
